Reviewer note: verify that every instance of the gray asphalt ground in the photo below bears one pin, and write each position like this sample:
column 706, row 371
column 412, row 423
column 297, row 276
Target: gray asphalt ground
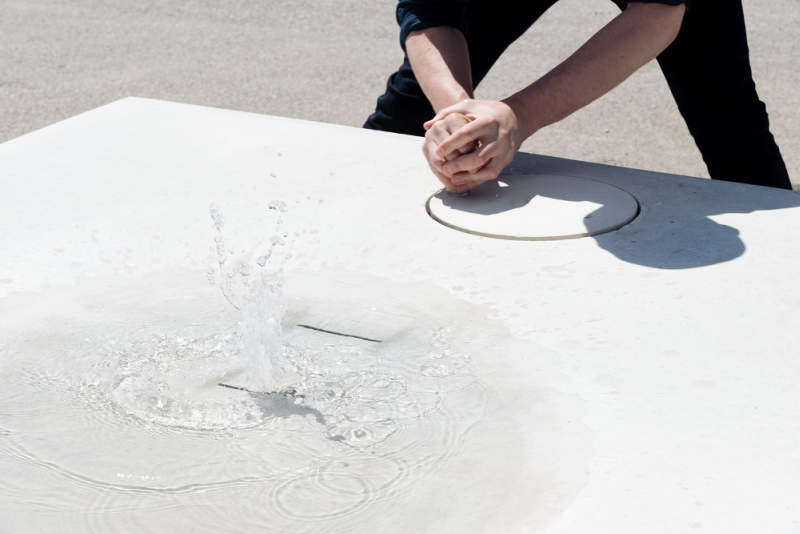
column 328, row 61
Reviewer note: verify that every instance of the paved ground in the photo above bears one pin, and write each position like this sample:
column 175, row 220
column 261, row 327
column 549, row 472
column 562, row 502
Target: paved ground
column 328, row 61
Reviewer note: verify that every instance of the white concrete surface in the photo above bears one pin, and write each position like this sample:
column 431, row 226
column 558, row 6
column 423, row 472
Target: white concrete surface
column 535, row 207
column 645, row 380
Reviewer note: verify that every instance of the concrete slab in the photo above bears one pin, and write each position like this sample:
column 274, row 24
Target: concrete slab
column 641, row 380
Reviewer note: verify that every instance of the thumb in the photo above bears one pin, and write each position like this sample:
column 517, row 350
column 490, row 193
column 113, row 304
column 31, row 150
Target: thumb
column 444, row 112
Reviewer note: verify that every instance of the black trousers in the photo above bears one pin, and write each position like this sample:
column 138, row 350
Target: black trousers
column 707, row 68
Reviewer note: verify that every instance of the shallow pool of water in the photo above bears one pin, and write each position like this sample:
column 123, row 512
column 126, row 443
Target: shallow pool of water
column 129, row 399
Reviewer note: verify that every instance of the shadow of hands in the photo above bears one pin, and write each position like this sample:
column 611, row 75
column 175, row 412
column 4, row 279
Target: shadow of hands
column 673, row 230
column 561, row 207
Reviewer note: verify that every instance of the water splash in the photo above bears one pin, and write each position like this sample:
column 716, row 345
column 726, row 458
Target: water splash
column 130, row 407
column 252, row 283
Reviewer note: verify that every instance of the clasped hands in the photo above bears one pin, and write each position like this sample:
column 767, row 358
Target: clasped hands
column 469, row 143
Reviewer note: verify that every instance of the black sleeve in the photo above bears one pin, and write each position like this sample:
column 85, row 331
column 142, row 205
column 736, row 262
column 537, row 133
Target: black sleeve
column 413, row 15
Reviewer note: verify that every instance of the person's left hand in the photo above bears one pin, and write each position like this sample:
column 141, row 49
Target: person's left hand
column 494, row 127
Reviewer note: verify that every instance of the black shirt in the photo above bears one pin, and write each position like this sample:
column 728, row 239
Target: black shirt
column 413, row 15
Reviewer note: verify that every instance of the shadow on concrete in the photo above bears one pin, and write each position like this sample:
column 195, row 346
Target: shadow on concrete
column 673, row 229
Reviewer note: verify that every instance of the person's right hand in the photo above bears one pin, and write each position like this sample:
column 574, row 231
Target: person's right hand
column 438, row 132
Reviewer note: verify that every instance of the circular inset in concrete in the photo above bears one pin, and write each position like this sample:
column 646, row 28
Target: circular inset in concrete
column 535, row 207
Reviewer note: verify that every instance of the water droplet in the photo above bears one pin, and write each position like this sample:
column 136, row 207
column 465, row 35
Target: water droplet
column 436, row 370
column 262, row 260
column 278, row 205
column 216, row 216
column 244, row 268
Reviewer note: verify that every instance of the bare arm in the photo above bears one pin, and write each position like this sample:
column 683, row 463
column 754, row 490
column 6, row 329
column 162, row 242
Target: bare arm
column 630, row 40
column 440, row 61
column 633, row 38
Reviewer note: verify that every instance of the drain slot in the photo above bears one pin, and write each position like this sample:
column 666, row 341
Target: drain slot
column 335, row 333
column 288, row 392
column 291, row 392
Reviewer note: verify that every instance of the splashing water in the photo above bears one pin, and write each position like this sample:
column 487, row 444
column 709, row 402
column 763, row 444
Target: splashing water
column 252, row 283
column 349, row 386
column 131, row 405
column 220, row 364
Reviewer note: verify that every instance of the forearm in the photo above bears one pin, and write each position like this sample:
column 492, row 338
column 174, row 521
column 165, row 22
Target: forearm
column 626, row 43
column 440, row 60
